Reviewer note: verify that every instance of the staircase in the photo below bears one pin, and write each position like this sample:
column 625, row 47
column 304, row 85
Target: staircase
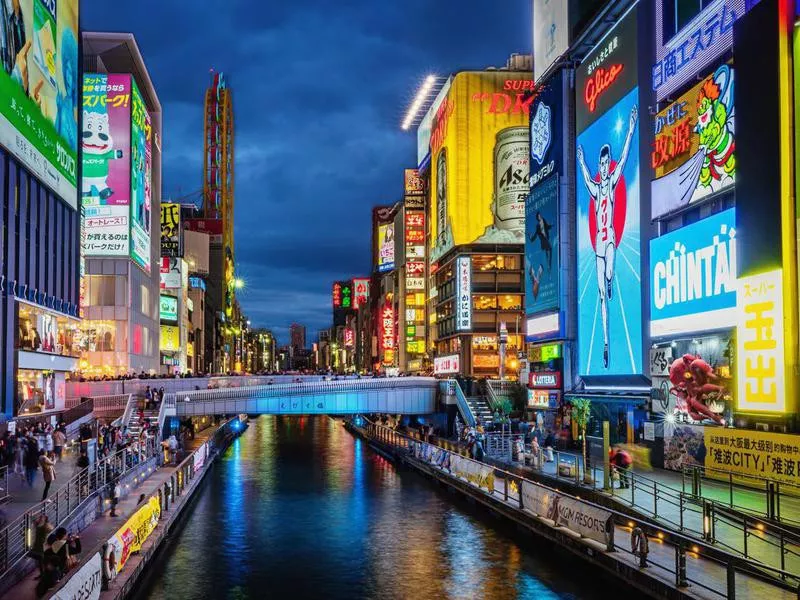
column 135, row 424
column 480, row 409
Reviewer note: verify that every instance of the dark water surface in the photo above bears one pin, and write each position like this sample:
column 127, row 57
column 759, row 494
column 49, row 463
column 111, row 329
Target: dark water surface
column 298, row 508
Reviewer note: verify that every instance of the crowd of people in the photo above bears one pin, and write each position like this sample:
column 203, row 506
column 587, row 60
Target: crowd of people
column 28, row 449
column 55, row 551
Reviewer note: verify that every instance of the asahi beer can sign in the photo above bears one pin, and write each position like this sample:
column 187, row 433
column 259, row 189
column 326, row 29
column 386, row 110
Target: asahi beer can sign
column 511, row 176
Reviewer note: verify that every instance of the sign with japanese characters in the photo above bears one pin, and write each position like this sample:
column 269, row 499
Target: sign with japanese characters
column 705, row 38
column 360, row 292
column 772, row 456
column 168, row 308
column 463, row 293
column 170, row 277
column 413, row 183
column 40, row 90
column 759, row 344
column 694, row 145
column 446, row 365
column 171, row 229
column 349, row 337
column 106, row 230
column 336, row 294
column 386, row 332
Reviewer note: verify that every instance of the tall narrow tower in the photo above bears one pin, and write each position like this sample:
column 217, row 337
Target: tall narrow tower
column 218, row 173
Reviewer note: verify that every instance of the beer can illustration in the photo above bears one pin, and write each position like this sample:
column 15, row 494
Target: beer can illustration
column 511, row 177
column 441, row 198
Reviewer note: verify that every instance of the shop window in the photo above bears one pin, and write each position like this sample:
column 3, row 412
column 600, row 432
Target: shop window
column 43, row 331
column 39, row 390
column 499, row 262
column 485, row 342
column 98, row 336
column 510, row 302
column 100, row 289
column 484, row 302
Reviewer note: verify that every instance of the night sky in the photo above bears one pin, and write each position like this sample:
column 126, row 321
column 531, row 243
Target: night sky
column 319, row 88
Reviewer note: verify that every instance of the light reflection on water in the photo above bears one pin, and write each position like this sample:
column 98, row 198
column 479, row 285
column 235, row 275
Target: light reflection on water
column 298, row 508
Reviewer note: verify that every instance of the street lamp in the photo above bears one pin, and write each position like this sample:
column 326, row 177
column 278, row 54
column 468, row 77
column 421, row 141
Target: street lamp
column 238, row 283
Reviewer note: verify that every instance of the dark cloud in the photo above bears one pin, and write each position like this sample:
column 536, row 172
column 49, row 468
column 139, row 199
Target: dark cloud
column 319, row 91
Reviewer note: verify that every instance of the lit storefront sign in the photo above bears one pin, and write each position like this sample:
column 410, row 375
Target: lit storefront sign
column 543, row 398
column 197, row 283
column 545, row 379
column 759, row 343
column 463, row 293
column 170, row 273
column 168, row 308
column 170, row 338
column 545, row 353
column 349, row 338
column 447, row 365
column 385, row 247
column 360, row 291
column 346, row 294
column 387, row 333
column 413, row 183
column 693, row 277
column 694, row 147
column 543, row 325
column 336, row 295
column 696, row 46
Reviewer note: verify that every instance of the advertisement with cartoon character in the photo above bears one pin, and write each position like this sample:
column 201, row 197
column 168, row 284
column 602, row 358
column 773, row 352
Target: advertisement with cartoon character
column 105, row 185
column 39, row 90
column 694, row 148
column 140, row 180
column 608, row 213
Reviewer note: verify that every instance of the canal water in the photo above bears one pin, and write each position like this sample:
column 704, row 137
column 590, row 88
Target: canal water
column 298, row 508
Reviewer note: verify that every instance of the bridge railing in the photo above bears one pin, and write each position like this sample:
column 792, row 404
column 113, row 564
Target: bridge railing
column 463, row 405
column 680, row 545
column 302, row 388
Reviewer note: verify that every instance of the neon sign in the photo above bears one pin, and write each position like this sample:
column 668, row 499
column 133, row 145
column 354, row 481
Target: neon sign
column 598, row 83
column 337, row 295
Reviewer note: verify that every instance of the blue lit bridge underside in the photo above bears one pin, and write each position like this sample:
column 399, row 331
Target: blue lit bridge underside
column 406, row 395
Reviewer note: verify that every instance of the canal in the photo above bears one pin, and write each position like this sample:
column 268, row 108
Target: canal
column 298, row 508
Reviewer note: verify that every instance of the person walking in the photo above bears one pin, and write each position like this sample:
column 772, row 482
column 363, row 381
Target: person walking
column 148, row 397
column 621, row 461
column 43, row 529
column 549, row 443
column 47, row 460
column 31, row 460
column 59, row 439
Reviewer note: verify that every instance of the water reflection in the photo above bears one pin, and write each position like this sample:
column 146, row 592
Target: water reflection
column 299, row 508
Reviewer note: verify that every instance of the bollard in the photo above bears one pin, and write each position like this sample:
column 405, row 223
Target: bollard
column 771, row 513
column 696, row 482
column 680, row 566
column 731, row 582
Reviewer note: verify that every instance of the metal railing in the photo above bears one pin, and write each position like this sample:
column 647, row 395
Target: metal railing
column 130, row 406
column 680, row 544
column 4, row 484
column 750, row 494
column 16, row 538
column 112, row 403
column 463, row 405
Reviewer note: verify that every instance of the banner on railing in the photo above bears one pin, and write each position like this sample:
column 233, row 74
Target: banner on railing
column 130, row 537
column 476, row 473
column 85, row 584
column 200, row 456
column 587, row 520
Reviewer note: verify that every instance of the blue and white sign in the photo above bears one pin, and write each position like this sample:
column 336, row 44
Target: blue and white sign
column 695, row 47
column 463, row 293
column 541, row 132
column 693, row 277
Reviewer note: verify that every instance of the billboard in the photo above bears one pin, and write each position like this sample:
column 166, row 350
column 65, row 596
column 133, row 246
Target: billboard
column 608, row 215
column 446, row 365
column 413, row 185
column 541, row 206
column 386, row 333
column 170, row 340
column 760, row 344
column 681, row 57
column 693, row 277
column 694, row 148
column 171, row 230
column 39, row 90
column 464, row 293
column 168, row 308
column 550, row 33
column 141, row 168
column 360, row 291
column 170, row 273
column 483, row 120
column 106, row 178
column 385, row 247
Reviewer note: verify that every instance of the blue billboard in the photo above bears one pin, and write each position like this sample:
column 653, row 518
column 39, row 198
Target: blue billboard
column 693, row 277
column 609, row 234
column 541, row 206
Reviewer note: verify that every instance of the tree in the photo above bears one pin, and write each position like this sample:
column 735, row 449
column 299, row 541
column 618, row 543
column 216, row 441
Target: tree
column 581, row 411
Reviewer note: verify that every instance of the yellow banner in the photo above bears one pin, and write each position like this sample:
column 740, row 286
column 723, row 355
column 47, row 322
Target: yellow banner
column 130, row 537
column 772, row 456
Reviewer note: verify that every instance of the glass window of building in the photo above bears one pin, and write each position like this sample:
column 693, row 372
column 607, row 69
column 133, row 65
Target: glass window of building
column 100, row 289
column 43, row 331
column 510, row 302
column 498, row 262
column 485, row 342
column 98, row 336
column 678, row 13
column 484, row 302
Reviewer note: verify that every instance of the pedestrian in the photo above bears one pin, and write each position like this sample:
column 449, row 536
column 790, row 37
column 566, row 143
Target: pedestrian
column 148, row 397
column 116, row 492
column 172, row 443
column 536, row 452
column 47, row 461
column 621, row 462
column 31, row 460
column 549, row 443
column 19, row 454
column 59, row 439
column 43, row 528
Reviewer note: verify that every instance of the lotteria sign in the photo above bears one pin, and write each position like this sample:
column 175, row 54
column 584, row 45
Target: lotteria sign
column 693, row 277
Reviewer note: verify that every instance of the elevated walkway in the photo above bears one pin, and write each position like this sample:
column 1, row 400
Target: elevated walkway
column 394, row 395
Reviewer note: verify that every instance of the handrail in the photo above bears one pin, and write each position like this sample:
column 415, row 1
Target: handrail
column 16, row 538
column 463, row 405
column 678, row 541
column 492, row 397
column 110, row 402
column 130, row 406
column 162, row 412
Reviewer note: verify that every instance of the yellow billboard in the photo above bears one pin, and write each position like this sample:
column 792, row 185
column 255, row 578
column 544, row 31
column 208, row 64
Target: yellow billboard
column 771, row 456
column 170, row 340
column 129, row 538
column 479, row 149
